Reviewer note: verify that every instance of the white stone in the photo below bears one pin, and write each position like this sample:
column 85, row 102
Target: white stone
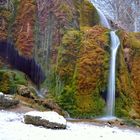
column 51, row 116
column 1, row 94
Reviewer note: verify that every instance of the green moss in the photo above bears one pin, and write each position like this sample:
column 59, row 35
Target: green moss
column 122, row 107
column 64, row 8
column 88, row 14
column 67, row 100
column 68, row 55
column 124, row 84
column 89, row 106
column 83, row 69
column 9, row 80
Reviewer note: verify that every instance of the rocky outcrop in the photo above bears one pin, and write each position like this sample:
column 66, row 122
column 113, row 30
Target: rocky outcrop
column 7, row 101
column 30, row 98
column 10, row 79
column 26, row 92
column 46, row 119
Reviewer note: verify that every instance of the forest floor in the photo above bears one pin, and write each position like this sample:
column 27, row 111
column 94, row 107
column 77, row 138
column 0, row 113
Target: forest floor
column 12, row 127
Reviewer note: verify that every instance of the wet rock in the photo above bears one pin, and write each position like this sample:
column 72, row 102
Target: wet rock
column 52, row 105
column 48, row 119
column 25, row 92
column 7, row 101
column 122, row 123
column 116, row 122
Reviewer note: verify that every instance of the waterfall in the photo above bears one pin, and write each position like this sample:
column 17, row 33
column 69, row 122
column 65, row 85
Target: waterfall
column 103, row 20
column 115, row 42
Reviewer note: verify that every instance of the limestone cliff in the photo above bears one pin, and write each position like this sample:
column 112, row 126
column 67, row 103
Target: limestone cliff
column 59, row 45
column 131, row 47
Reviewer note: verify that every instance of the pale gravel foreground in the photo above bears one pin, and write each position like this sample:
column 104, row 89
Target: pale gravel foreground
column 13, row 128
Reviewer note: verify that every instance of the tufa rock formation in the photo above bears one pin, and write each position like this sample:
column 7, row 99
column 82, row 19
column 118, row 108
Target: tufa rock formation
column 57, row 45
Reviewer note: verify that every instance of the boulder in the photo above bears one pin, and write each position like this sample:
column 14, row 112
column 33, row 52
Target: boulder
column 49, row 119
column 25, row 92
column 7, row 101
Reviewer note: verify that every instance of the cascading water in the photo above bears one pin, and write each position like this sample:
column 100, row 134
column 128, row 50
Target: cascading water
column 115, row 42
column 103, row 20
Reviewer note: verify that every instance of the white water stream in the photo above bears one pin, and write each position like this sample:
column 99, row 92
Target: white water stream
column 115, row 42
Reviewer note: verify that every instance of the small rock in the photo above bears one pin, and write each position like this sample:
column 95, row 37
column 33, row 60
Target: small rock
column 25, row 92
column 122, row 123
column 7, row 101
column 49, row 119
column 110, row 122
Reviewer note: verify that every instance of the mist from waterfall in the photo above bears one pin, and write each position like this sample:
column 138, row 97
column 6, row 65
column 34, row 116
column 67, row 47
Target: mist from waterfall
column 115, row 42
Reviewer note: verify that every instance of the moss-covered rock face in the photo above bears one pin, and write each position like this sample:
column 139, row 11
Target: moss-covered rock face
column 89, row 16
column 83, row 69
column 49, row 32
column 85, row 57
column 24, row 27
column 36, row 29
column 9, row 81
column 134, row 68
column 91, row 66
column 60, row 38
column 128, row 76
column 5, row 15
column 52, row 20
